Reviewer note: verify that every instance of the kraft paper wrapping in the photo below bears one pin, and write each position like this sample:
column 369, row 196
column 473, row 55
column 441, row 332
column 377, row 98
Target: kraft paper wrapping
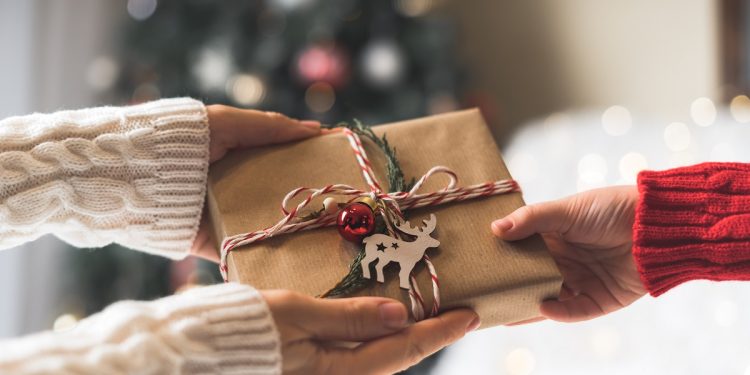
column 503, row 282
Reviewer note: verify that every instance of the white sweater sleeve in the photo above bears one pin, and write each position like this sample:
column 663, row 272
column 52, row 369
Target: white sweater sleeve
column 136, row 176
column 221, row 329
column 131, row 175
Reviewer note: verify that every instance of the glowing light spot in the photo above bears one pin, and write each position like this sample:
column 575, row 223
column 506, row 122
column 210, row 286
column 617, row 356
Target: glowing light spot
column 141, row 9
column 211, row 67
column 677, row 136
column 616, row 120
column 520, row 361
column 740, row 108
column 246, row 89
column 382, row 63
column 320, row 97
column 102, row 73
column 703, row 111
column 630, row 164
column 64, row 322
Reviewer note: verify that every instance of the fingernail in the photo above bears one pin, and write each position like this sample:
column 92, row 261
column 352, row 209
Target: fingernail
column 393, row 314
column 473, row 325
column 311, row 124
column 502, row 225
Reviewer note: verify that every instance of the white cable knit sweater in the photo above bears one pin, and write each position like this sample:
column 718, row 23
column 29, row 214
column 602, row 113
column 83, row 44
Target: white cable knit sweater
column 135, row 176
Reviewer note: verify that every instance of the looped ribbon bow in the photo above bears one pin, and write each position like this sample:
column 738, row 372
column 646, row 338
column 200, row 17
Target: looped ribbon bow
column 393, row 203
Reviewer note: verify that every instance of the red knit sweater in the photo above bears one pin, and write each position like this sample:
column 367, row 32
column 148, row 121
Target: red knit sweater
column 693, row 223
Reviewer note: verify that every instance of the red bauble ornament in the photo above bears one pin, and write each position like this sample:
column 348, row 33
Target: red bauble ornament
column 356, row 221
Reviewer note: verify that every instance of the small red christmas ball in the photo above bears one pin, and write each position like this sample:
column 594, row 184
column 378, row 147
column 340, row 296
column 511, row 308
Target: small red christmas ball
column 356, row 221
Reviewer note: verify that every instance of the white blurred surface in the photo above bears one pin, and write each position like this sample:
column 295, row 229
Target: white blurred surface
column 698, row 328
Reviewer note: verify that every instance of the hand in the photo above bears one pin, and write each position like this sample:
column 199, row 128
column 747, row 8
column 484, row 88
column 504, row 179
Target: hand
column 240, row 128
column 311, row 327
column 590, row 237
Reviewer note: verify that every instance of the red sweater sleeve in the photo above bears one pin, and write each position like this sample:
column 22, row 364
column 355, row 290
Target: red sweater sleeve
column 693, row 223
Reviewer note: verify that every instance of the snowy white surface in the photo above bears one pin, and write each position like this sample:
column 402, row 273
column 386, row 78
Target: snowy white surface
column 698, row 328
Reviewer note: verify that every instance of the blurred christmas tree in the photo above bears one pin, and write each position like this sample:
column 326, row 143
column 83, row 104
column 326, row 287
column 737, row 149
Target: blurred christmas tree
column 330, row 60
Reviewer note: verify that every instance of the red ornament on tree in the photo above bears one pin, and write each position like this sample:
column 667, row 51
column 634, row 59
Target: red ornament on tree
column 357, row 220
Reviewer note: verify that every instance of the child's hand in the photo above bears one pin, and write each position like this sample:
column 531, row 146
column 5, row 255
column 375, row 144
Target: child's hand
column 240, row 128
column 590, row 237
column 310, row 328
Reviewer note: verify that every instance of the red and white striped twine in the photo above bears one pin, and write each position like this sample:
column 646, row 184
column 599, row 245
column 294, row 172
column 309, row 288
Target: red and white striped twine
column 396, row 203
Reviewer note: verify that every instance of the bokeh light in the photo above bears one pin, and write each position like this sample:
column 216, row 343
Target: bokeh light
column 102, row 73
column 320, row 97
column 246, row 89
column 322, row 63
column 740, row 108
column 211, row 68
column 677, row 136
column 382, row 63
column 703, row 111
column 616, row 120
column 141, row 9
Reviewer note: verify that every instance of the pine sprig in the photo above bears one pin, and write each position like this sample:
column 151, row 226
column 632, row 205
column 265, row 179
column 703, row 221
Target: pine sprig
column 354, row 280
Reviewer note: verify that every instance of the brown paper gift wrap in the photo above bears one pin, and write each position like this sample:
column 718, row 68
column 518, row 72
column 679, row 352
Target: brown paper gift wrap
column 503, row 282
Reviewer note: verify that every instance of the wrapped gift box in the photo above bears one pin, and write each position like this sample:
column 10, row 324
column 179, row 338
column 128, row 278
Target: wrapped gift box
column 504, row 282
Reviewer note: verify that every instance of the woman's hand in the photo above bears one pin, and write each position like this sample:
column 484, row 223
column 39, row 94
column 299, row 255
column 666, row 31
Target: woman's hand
column 312, row 331
column 240, row 128
column 590, row 237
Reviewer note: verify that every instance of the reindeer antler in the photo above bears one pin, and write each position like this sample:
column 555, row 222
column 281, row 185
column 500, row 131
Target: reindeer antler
column 406, row 228
column 429, row 224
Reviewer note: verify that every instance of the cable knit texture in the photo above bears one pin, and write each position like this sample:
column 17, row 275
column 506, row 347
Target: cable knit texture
column 693, row 223
column 221, row 329
column 132, row 175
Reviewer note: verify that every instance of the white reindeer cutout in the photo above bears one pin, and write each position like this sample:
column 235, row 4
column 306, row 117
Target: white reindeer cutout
column 387, row 249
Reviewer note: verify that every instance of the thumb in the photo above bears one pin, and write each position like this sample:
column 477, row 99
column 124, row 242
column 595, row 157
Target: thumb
column 538, row 218
column 406, row 348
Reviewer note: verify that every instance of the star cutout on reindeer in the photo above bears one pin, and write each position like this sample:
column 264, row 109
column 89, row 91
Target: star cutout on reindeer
column 407, row 258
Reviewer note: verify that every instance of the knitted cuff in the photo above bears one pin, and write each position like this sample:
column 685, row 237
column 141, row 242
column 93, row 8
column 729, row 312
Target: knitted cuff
column 234, row 329
column 176, row 133
column 693, row 223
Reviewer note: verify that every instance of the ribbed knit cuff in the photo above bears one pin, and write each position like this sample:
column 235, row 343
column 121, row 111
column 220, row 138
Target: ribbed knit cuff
column 693, row 223
column 176, row 132
column 234, row 324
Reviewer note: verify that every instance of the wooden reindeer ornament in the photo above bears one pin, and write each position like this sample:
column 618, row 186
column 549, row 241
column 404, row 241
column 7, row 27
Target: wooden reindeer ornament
column 388, row 249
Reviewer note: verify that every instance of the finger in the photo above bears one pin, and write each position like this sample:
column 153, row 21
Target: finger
column 527, row 220
column 255, row 128
column 353, row 319
column 406, row 348
column 579, row 308
column 527, row 321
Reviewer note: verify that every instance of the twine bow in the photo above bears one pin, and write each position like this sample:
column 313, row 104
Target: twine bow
column 393, row 204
